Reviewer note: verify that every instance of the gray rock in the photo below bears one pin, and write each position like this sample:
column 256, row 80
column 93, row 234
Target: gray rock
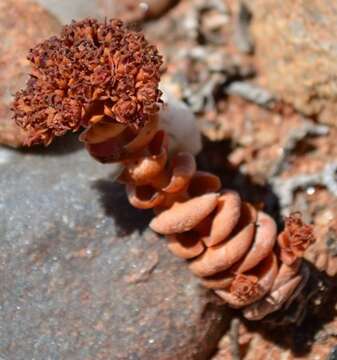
column 127, row 10
column 82, row 277
column 66, row 10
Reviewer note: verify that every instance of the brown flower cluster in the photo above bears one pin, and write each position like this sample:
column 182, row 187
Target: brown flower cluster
column 245, row 287
column 90, row 69
column 295, row 238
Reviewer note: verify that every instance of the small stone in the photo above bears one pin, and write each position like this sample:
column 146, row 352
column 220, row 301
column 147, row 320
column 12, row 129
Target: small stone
column 127, row 10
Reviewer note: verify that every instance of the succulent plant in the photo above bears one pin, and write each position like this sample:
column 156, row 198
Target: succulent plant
column 104, row 79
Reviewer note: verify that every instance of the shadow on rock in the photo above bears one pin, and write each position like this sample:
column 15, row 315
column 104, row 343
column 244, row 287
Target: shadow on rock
column 214, row 158
column 297, row 328
column 115, row 203
column 61, row 146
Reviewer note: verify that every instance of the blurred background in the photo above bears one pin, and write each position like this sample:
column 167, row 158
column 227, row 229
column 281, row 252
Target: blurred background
column 261, row 78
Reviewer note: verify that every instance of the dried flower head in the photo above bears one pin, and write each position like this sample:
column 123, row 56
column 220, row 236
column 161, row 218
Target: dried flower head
column 245, row 287
column 91, row 68
column 295, row 238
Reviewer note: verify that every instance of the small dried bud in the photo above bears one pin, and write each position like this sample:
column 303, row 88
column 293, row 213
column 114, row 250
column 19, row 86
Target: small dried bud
column 91, row 65
column 295, row 238
column 245, row 287
column 124, row 110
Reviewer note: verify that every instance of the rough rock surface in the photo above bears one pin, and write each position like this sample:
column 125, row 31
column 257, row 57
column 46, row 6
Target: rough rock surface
column 128, row 10
column 296, row 42
column 82, row 277
column 66, row 11
column 23, row 23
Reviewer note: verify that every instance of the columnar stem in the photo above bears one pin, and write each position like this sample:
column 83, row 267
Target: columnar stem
column 229, row 244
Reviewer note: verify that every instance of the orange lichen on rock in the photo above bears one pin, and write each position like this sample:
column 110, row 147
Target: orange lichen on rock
column 105, row 79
